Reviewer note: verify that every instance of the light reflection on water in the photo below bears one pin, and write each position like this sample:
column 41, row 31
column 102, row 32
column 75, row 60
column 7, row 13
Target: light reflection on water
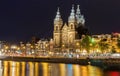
column 12, row 68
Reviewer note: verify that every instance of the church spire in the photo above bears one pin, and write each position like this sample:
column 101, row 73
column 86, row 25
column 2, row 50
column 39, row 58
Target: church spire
column 78, row 10
column 79, row 17
column 58, row 22
column 58, row 16
column 72, row 11
column 72, row 15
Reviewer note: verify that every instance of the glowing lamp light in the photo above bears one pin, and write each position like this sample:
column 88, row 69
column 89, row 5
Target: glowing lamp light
column 13, row 47
column 92, row 40
column 6, row 47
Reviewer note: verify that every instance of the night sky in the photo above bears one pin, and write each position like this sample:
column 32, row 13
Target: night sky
column 22, row 19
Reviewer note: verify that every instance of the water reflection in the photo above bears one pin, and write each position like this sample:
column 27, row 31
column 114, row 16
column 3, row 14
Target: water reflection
column 62, row 69
column 76, row 70
column 113, row 73
column 12, row 68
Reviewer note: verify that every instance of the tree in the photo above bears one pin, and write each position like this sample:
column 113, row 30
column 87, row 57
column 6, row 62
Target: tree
column 82, row 30
column 113, row 49
column 85, row 43
column 103, row 45
column 118, row 43
column 93, row 44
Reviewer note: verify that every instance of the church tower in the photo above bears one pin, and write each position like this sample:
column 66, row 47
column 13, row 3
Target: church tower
column 58, row 22
column 80, row 18
column 72, row 26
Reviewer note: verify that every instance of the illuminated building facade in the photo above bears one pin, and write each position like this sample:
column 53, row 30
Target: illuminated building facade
column 65, row 35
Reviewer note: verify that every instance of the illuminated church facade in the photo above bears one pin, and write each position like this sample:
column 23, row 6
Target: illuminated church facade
column 65, row 35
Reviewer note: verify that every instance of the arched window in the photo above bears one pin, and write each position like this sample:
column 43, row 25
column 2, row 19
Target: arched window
column 56, row 28
column 72, row 27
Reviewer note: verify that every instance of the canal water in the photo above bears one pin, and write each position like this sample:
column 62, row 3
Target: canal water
column 14, row 68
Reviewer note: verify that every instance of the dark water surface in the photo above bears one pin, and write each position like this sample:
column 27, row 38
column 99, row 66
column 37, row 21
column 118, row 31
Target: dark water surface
column 12, row 68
